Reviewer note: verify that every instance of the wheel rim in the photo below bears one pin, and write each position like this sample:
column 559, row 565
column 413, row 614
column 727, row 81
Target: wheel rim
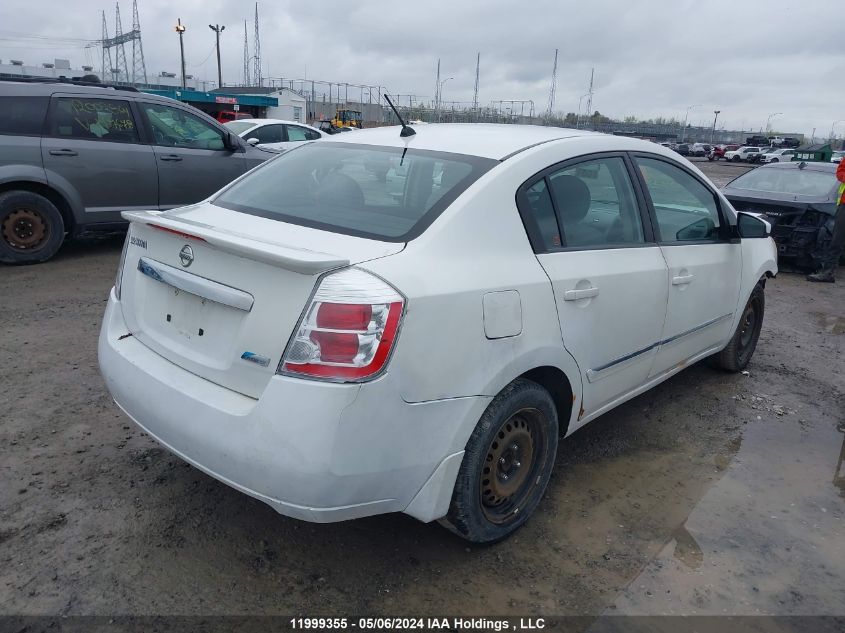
column 513, row 461
column 24, row 229
column 748, row 327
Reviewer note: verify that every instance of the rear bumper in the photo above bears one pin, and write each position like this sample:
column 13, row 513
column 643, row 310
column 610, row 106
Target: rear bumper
column 311, row 450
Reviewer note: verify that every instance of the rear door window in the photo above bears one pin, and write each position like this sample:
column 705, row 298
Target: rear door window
column 108, row 120
column 590, row 204
column 268, row 133
column 23, row 116
column 385, row 193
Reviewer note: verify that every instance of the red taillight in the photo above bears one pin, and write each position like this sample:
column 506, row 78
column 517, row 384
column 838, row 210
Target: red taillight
column 344, row 316
column 336, row 347
column 341, row 340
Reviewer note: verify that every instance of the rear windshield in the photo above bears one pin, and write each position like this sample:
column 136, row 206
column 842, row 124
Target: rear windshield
column 798, row 182
column 385, row 193
column 239, row 127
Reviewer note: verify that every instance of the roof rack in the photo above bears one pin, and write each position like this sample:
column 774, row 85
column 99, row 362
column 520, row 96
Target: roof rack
column 65, row 80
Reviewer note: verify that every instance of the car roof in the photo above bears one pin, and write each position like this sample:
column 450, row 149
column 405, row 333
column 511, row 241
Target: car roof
column 48, row 88
column 274, row 121
column 488, row 140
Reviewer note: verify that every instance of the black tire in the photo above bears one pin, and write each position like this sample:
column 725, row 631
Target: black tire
column 31, row 228
column 736, row 159
column 740, row 349
column 516, row 438
column 774, row 160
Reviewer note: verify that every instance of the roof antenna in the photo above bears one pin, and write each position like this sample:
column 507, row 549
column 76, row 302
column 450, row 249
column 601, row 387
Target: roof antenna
column 406, row 129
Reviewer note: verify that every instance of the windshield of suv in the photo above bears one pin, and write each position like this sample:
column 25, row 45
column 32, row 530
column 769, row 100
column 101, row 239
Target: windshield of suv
column 799, row 182
column 238, row 127
column 385, row 193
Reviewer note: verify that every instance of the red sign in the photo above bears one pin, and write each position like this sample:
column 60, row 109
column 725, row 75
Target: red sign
column 225, row 99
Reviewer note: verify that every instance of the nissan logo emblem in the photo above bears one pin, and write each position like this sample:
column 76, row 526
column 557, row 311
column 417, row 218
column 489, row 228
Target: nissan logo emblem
column 186, row 256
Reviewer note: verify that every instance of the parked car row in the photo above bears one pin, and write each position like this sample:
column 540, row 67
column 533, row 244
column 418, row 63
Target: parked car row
column 751, row 154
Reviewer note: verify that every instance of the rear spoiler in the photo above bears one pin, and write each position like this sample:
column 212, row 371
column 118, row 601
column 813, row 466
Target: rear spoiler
column 298, row 260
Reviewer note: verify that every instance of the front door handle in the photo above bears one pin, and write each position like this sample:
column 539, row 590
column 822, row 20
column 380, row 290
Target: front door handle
column 171, row 157
column 682, row 280
column 62, row 152
column 586, row 293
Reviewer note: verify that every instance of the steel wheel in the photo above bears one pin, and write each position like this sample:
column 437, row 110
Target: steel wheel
column 748, row 330
column 511, row 464
column 24, row 229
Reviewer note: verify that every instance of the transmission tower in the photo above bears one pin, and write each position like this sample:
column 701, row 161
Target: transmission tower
column 106, row 50
column 246, row 57
column 590, row 95
column 437, row 88
column 120, row 58
column 552, row 89
column 475, row 94
column 139, row 68
column 118, row 68
column 256, row 43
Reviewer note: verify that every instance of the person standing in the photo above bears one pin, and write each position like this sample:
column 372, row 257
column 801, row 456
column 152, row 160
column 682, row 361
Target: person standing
column 830, row 258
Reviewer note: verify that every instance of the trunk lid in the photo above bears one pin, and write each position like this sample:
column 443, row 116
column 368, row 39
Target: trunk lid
column 219, row 293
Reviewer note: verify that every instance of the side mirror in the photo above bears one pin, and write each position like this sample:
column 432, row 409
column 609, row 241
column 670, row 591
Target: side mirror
column 231, row 142
column 749, row 225
column 252, row 141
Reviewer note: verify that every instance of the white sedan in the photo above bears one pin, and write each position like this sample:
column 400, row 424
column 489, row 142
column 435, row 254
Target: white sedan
column 338, row 349
column 274, row 133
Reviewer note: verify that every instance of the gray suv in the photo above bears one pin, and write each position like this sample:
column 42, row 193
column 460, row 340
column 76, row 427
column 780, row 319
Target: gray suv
column 72, row 157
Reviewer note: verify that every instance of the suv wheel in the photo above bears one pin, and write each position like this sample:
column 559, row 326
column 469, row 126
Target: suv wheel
column 31, row 228
column 507, row 464
column 740, row 349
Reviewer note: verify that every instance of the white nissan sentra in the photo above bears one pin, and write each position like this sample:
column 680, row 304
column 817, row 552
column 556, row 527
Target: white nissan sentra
column 383, row 323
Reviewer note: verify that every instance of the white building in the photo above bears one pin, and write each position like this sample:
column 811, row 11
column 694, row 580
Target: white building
column 10, row 68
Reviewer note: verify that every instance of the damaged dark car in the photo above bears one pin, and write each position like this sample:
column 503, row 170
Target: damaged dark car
column 798, row 199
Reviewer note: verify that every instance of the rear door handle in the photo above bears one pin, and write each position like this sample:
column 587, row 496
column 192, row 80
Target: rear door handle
column 62, row 152
column 586, row 293
column 682, row 280
column 172, row 157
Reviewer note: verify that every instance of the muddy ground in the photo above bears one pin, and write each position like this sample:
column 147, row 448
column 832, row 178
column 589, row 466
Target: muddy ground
column 713, row 493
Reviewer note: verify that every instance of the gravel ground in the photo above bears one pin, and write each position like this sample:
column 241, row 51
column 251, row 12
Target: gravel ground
column 713, row 493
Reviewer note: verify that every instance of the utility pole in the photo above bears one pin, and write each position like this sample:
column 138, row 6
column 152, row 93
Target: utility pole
column 437, row 91
column 713, row 131
column 686, row 120
column 180, row 29
column 217, row 31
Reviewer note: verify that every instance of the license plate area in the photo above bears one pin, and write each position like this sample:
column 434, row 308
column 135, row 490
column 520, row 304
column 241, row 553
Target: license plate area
column 182, row 325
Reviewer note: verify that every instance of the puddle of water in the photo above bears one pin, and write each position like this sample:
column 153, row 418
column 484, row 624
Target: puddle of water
column 767, row 538
column 830, row 324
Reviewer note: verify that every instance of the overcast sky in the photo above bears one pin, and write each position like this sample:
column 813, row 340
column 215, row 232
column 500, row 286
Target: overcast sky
column 747, row 58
